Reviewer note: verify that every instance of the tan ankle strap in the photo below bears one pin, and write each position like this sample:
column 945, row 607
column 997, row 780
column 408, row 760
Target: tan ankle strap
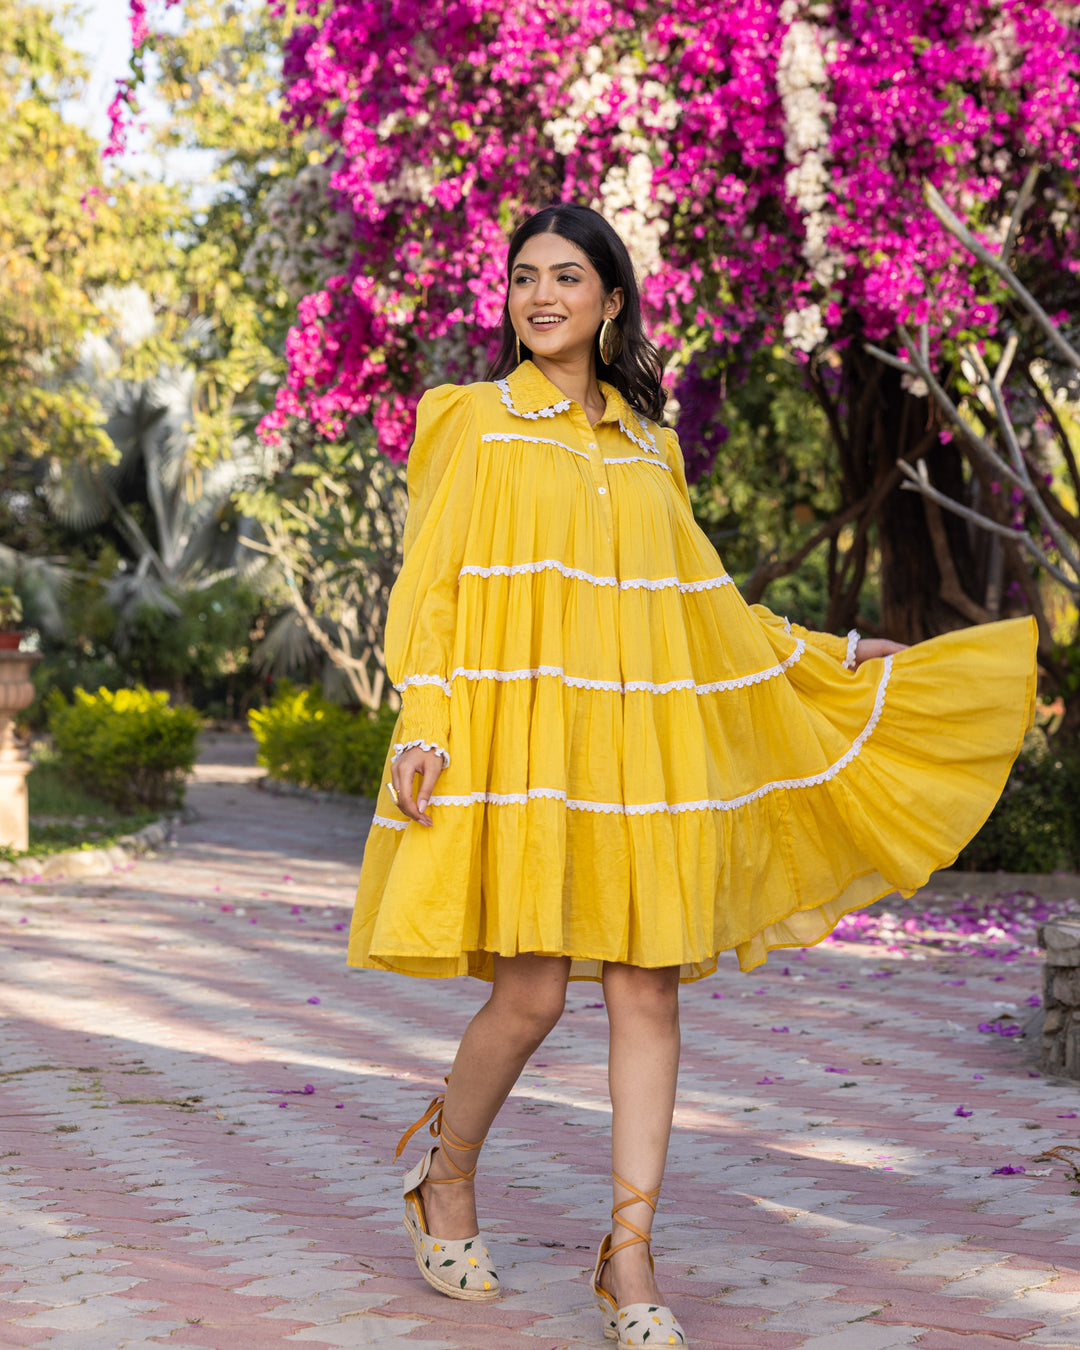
column 636, row 1196
column 447, row 1138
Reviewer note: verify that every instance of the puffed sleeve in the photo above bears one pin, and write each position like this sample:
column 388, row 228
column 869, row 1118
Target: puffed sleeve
column 836, row 647
column 422, row 612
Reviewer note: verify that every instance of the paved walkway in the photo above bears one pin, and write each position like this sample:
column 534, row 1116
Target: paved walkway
column 201, row 1102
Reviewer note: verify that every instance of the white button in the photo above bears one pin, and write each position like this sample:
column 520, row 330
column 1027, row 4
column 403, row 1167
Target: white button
column 592, row 445
column 601, row 491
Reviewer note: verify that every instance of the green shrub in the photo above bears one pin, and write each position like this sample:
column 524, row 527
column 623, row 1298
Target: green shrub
column 305, row 739
column 1035, row 827
column 129, row 743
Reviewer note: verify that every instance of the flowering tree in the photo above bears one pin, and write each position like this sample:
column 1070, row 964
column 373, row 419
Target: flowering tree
column 764, row 160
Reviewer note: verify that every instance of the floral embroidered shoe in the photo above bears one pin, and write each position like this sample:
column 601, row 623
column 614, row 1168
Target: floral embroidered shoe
column 638, row 1324
column 457, row 1267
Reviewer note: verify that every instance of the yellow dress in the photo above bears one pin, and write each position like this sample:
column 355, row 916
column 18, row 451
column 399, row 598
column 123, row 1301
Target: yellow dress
column 642, row 767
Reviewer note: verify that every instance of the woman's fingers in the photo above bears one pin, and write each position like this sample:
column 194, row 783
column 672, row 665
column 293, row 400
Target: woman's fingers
column 403, row 773
column 432, row 768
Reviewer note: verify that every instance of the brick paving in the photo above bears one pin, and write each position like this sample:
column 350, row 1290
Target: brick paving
column 200, row 1104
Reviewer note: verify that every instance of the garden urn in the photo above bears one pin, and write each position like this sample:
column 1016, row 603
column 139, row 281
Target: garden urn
column 16, row 693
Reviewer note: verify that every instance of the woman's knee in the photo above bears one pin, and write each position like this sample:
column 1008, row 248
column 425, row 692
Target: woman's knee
column 530, row 993
column 640, row 993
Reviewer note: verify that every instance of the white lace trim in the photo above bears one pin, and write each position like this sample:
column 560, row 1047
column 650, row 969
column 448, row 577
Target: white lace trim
column 852, row 643
column 532, row 440
column 503, row 386
column 576, row 574
column 640, row 459
column 411, row 680
column 401, row 746
column 676, row 808
column 388, row 824
column 649, row 443
column 631, row 686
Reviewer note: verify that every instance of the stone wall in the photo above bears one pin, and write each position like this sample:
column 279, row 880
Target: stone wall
column 1061, row 997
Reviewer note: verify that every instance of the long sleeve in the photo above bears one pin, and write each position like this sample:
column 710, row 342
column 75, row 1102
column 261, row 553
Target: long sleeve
column 422, row 612
column 831, row 645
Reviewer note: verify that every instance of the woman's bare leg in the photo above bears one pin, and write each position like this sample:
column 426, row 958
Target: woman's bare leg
column 643, row 1066
column 526, row 1001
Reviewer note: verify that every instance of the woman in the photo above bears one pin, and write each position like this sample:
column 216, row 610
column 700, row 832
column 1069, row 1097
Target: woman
column 623, row 769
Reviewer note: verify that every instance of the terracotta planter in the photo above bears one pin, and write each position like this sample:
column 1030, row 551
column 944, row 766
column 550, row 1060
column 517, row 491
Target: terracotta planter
column 9, row 642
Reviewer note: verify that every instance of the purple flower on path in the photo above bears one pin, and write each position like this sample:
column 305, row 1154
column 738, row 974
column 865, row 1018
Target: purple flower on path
column 829, row 1069
column 594, row 1005
column 283, row 1103
column 226, row 909
column 1008, row 1172
column 309, row 1088
column 843, row 986
column 781, row 1028
column 338, row 927
column 286, row 877
column 1066, row 1115
column 718, row 996
column 979, row 1077
column 957, row 982
column 340, row 1106
column 314, row 1000
column 295, row 909
column 1033, row 1001
column 786, row 970
column 761, row 1082
column 963, row 1111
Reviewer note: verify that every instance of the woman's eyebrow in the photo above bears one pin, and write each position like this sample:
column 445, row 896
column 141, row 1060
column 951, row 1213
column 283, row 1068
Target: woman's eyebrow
column 555, row 267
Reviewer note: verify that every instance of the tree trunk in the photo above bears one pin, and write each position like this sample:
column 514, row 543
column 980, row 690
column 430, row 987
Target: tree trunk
column 930, row 579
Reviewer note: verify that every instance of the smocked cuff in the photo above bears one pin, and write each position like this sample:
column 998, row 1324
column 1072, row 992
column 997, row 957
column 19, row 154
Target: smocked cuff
column 425, row 719
column 852, row 648
column 829, row 643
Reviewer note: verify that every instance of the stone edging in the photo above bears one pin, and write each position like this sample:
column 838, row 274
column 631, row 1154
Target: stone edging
column 89, row 862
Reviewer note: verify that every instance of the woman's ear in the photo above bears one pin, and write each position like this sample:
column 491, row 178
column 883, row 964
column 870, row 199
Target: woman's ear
column 613, row 303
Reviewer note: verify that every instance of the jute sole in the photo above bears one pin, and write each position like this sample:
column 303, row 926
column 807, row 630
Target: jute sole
column 450, row 1290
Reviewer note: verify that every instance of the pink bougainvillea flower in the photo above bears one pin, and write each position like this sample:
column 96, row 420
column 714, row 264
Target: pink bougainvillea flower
column 781, row 1028
column 314, row 999
column 1008, row 1171
column 962, row 1111
column 762, row 1082
column 1066, row 1115
column 594, row 1005
column 829, row 1069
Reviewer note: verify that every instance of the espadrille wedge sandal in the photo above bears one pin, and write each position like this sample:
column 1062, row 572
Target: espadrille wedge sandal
column 636, row 1325
column 457, row 1267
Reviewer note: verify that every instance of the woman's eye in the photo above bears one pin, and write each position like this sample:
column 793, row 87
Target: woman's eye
column 568, row 276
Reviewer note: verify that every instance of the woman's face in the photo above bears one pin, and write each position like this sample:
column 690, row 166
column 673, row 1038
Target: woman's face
column 556, row 299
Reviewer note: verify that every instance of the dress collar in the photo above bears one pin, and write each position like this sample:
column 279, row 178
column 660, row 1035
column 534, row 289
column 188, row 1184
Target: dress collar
column 527, row 392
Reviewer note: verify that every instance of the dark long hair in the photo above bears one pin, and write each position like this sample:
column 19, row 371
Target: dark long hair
column 637, row 370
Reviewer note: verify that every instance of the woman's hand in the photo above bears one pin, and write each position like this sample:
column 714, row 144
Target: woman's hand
column 869, row 648
column 428, row 764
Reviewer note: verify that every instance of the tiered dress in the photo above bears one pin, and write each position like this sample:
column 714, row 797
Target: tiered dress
column 642, row 767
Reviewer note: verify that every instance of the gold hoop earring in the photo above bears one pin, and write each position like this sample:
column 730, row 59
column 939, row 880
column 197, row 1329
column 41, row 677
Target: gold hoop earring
column 517, row 348
column 610, row 342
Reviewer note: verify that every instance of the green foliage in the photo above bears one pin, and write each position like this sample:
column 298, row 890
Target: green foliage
column 1035, row 827
column 306, row 740
column 66, row 815
column 775, row 481
column 11, row 610
column 129, row 743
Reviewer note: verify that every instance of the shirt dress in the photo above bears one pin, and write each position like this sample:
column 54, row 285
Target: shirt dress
column 642, row 768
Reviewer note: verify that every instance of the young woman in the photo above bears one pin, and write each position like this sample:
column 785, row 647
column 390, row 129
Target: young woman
column 607, row 765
